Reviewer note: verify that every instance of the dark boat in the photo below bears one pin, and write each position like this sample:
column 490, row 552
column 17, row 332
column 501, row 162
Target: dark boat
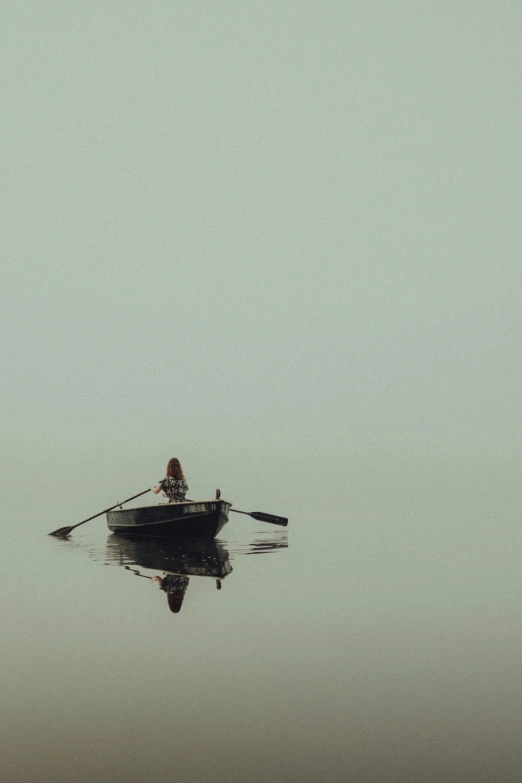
column 189, row 519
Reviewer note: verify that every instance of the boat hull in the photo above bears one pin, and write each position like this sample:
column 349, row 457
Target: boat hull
column 190, row 519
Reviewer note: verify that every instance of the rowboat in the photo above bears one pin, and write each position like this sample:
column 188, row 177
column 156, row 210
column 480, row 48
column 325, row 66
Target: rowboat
column 190, row 518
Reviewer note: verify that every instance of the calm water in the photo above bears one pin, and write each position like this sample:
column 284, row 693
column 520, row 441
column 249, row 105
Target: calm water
column 375, row 641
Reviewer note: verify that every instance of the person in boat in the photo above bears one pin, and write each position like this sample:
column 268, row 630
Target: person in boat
column 173, row 485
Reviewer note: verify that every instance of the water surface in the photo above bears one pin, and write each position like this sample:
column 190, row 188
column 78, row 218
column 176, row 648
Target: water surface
column 374, row 642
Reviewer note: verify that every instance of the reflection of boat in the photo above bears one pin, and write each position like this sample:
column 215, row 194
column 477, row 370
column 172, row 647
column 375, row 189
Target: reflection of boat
column 194, row 518
column 188, row 557
column 178, row 560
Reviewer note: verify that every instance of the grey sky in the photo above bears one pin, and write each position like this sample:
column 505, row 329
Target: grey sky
column 239, row 220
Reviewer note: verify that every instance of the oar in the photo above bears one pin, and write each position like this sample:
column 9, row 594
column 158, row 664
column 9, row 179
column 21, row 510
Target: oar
column 64, row 531
column 262, row 517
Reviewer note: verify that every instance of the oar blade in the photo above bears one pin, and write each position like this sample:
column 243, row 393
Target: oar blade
column 62, row 532
column 262, row 517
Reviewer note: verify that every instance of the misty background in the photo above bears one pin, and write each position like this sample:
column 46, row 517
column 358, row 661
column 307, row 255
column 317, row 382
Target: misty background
column 277, row 240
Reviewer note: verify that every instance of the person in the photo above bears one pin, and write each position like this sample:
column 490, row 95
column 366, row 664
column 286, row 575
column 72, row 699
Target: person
column 173, row 485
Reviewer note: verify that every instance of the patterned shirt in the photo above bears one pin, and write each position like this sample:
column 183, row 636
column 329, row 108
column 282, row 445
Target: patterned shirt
column 174, row 489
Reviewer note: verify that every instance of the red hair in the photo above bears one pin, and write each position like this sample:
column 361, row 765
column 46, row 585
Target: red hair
column 174, row 468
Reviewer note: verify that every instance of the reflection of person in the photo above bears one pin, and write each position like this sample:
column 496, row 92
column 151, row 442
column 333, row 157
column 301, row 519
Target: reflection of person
column 175, row 585
column 173, row 485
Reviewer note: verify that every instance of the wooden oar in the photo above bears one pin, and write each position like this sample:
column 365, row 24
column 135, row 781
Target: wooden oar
column 262, row 517
column 64, row 531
